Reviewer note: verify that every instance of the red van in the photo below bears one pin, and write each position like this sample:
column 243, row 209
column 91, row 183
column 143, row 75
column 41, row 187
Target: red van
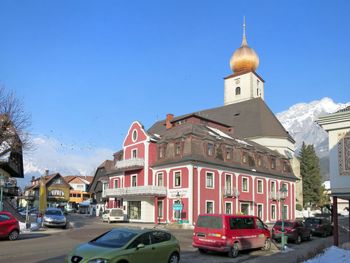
column 230, row 233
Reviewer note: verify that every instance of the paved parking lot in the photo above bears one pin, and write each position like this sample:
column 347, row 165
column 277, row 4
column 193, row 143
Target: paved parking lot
column 52, row 245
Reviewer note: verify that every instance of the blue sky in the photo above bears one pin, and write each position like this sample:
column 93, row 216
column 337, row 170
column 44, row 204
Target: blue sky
column 86, row 70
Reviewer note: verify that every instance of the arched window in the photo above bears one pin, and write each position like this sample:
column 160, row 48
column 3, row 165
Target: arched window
column 238, row 91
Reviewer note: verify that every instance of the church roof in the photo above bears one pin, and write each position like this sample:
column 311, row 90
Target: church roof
column 249, row 119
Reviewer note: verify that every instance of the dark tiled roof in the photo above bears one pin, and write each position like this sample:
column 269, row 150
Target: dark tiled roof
column 249, row 119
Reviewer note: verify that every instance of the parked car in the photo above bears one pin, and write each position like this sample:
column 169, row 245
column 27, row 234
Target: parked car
column 128, row 245
column 9, row 226
column 319, row 226
column 230, row 233
column 54, row 217
column 113, row 215
column 295, row 230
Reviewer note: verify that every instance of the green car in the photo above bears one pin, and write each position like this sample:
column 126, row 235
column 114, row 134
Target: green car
column 126, row 245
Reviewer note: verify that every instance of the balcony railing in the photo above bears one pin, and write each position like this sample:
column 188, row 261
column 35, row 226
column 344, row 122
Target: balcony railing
column 130, row 164
column 231, row 192
column 149, row 190
column 277, row 196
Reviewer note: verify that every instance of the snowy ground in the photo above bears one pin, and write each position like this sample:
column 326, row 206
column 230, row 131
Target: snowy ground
column 332, row 254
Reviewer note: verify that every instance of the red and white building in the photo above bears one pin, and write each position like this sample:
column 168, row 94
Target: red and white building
column 230, row 159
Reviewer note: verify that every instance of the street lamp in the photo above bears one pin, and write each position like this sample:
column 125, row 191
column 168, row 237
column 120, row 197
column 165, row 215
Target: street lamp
column 282, row 197
column 2, row 183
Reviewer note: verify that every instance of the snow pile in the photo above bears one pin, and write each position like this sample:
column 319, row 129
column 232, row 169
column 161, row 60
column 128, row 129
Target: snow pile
column 332, row 254
column 33, row 227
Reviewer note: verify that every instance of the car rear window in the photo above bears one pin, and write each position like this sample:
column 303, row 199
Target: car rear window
column 313, row 221
column 242, row 223
column 53, row 212
column 286, row 224
column 116, row 212
column 214, row 222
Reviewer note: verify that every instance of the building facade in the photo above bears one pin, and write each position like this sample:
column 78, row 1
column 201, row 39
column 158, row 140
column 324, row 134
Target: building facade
column 230, row 159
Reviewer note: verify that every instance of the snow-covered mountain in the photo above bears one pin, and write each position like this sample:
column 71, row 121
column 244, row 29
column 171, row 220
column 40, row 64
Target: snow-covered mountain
column 299, row 121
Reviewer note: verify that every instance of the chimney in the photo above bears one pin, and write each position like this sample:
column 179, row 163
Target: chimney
column 169, row 118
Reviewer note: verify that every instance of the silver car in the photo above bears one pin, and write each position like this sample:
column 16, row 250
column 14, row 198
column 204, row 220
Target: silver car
column 54, row 217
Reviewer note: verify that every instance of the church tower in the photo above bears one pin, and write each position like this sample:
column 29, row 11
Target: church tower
column 244, row 83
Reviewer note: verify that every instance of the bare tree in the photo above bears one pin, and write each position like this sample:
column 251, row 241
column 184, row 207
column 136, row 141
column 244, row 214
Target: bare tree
column 14, row 124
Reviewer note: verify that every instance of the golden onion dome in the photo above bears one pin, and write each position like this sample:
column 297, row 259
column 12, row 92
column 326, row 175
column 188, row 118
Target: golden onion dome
column 244, row 58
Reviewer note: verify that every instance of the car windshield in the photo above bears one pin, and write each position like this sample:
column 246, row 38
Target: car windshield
column 286, row 224
column 53, row 212
column 115, row 238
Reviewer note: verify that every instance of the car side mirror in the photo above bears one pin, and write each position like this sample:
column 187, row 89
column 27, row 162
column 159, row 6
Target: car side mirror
column 140, row 246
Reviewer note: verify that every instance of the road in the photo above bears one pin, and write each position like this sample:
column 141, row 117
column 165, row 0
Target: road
column 52, row 245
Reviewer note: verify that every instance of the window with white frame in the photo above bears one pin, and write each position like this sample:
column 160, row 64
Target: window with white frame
column 134, row 180
column 116, row 183
column 209, row 207
column 260, row 186
column 177, row 179
column 228, row 183
column 160, row 209
column 160, row 179
column 285, row 211
column 228, row 208
column 273, row 212
column 209, row 180
column 134, row 153
column 245, row 208
column 245, row 187
column 260, row 211
column 273, row 187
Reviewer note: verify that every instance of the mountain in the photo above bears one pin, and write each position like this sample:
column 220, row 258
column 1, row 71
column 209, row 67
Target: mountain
column 299, row 121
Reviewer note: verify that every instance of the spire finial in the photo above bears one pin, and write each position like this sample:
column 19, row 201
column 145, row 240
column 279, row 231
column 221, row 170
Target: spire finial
column 244, row 40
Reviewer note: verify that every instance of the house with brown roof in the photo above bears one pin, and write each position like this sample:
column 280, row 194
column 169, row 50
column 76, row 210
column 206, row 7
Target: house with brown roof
column 78, row 190
column 57, row 190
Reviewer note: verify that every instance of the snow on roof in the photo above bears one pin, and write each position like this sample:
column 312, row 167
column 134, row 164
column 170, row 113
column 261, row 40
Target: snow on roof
column 242, row 142
column 327, row 185
column 217, row 131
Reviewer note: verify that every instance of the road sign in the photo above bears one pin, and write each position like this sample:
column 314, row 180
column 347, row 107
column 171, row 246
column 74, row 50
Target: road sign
column 177, row 207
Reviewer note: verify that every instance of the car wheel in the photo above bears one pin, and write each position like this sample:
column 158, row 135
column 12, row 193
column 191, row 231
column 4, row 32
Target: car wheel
column 233, row 251
column 309, row 236
column 13, row 235
column 202, row 250
column 267, row 244
column 174, row 258
column 298, row 239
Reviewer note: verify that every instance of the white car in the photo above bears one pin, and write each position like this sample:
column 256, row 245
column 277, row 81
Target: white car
column 113, row 215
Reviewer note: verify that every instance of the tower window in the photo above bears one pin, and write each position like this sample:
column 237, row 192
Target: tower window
column 238, row 91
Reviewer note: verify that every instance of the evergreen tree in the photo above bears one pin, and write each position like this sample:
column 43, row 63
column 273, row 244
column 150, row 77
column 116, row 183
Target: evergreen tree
column 310, row 173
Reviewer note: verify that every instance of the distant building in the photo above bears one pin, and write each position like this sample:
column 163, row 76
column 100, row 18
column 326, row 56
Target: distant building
column 79, row 190
column 57, row 191
column 230, row 159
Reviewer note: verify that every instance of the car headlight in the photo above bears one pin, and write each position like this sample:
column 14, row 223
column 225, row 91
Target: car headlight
column 98, row 260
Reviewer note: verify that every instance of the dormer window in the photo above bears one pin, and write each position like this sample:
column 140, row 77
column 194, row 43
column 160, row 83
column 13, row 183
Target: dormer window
column 161, row 152
column 238, row 91
column 177, row 148
column 228, row 153
column 273, row 163
column 244, row 157
column 210, row 149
